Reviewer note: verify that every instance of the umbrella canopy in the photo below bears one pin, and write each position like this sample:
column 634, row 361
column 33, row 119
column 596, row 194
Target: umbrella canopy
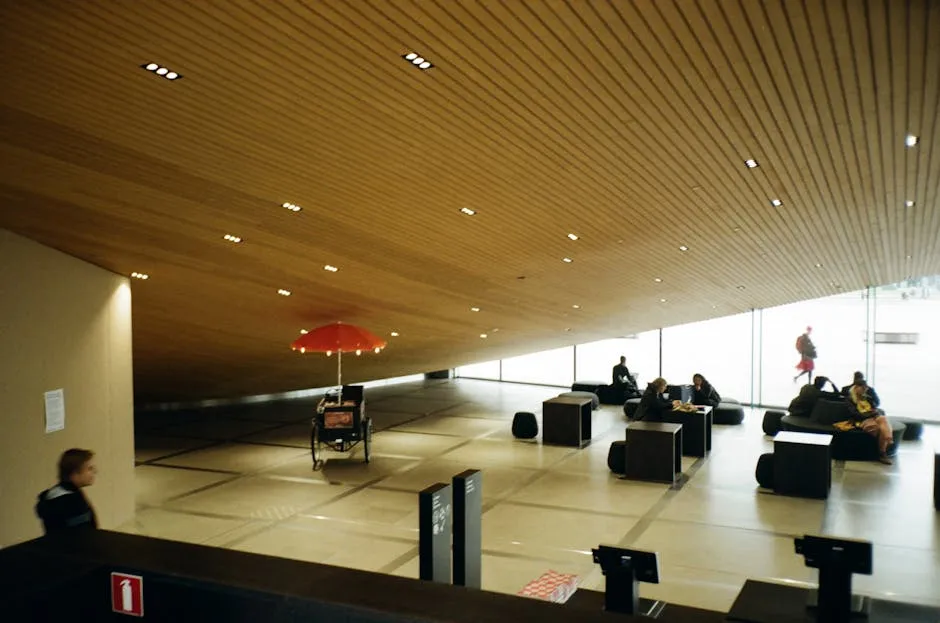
column 338, row 338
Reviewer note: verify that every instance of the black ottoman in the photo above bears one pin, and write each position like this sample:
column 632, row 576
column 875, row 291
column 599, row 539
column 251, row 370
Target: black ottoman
column 595, row 400
column 853, row 445
column 765, row 471
column 587, row 386
column 617, row 457
column 772, row 424
column 524, row 425
column 731, row 401
column 913, row 429
column 630, row 407
column 728, row 413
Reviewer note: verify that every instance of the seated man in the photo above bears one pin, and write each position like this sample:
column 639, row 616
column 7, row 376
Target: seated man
column 654, row 405
column 859, row 379
column 803, row 404
column 623, row 381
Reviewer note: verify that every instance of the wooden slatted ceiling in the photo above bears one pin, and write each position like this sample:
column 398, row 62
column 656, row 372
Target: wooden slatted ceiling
column 626, row 122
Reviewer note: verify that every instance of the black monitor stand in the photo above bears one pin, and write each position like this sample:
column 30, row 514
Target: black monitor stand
column 623, row 571
column 837, row 560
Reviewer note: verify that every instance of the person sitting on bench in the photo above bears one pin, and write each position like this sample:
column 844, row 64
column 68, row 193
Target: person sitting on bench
column 703, row 393
column 803, row 404
column 623, row 382
column 653, row 406
column 859, row 377
column 871, row 419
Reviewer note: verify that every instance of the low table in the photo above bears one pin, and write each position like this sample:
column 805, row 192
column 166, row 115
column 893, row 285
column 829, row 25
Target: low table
column 654, row 451
column 566, row 421
column 696, row 430
column 802, row 464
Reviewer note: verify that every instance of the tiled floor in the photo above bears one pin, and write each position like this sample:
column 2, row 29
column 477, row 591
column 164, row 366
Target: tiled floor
column 241, row 478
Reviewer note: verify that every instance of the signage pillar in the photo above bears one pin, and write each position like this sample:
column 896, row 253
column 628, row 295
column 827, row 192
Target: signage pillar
column 435, row 517
column 468, row 530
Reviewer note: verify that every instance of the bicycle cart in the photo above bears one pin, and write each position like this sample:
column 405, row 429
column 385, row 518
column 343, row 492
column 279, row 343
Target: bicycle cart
column 341, row 425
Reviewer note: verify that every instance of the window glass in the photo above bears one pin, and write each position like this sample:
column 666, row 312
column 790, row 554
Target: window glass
column 484, row 370
column 719, row 349
column 549, row 367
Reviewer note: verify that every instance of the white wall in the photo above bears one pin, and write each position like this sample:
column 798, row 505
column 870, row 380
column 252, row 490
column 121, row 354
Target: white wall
column 63, row 324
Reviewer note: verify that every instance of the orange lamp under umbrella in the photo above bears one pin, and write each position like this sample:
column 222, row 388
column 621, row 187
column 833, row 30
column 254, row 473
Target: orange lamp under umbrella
column 339, row 338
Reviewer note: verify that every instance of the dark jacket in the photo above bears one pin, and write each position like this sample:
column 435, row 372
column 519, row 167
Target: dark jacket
column 653, row 407
column 65, row 507
column 705, row 396
column 802, row 405
column 621, row 375
column 872, row 395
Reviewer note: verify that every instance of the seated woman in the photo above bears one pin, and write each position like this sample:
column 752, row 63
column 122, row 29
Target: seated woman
column 653, row 407
column 703, row 393
column 871, row 419
column 802, row 405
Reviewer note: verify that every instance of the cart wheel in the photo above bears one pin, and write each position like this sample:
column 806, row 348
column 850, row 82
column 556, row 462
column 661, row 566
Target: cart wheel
column 314, row 444
column 367, row 438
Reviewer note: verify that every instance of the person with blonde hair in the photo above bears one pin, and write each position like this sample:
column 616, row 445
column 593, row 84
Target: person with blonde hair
column 871, row 419
column 653, row 405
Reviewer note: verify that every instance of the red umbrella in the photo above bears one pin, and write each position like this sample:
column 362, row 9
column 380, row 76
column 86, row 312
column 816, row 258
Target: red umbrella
column 338, row 337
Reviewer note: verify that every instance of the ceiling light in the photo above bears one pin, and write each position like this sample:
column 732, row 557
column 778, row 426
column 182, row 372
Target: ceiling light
column 740, row 287
column 161, row 71
column 283, row 292
column 394, row 334
column 483, row 335
column 330, row 268
column 304, row 332
column 908, row 257
column 567, row 329
column 474, row 309
column 140, row 276
column 911, row 140
column 683, row 248
column 658, row 280
column 714, row 307
column 232, row 238
column 662, row 300
column 573, row 236
column 293, row 207
column 468, row 211
column 417, row 60
column 776, row 203
column 909, row 204
column 566, row 260
column 818, row 265
column 751, row 163
column 576, row 306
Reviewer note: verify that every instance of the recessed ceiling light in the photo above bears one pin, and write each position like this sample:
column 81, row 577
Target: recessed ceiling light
column 304, row 332
column 683, row 248
column 776, row 203
column 818, row 265
column 293, row 207
column 662, row 300
column 161, row 71
column 417, row 60
column 232, row 238
column 474, row 309
column 576, row 306
column 573, row 236
column 143, row 276
column 658, row 280
column 394, row 334
column 567, row 329
column 566, row 260
column 468, row 211
column 483, row 335
column 751, row 163
column 736, row 229
column 330, row 268
column 910, row 140
column 909, row 204
column 714, row 307
column 283, row 292
column 908, row 257
column 740, row 287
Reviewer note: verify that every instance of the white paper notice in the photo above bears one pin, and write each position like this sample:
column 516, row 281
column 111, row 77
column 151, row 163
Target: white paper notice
column 55, row 410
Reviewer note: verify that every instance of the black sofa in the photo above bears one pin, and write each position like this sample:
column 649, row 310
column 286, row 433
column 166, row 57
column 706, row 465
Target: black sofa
column 853, row 445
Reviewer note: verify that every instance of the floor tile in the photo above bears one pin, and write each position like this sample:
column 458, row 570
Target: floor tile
column 149, row 447
column 155, row 485
column 602, row 492
column 164, row 524
column 236, row 457
column 453, row 426
column 508, row 453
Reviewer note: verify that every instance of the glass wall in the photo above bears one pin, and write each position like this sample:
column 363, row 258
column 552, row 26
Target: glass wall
column 891, row 333
column 839, row 324
column 484, row 370
column 549, row 367
column 907, row 347
column 718, row 349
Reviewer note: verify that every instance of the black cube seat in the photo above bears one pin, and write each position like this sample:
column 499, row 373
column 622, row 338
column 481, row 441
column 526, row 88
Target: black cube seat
column 728, row 413
column 524, row 425
column 853, row 445
column 595, row 400
column 617, row 457
column 771, row 424
column 630, row 407
column 913, row 429
column 587, row 386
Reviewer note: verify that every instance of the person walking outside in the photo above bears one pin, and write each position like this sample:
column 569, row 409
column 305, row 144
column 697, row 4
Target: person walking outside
column 807, row 350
